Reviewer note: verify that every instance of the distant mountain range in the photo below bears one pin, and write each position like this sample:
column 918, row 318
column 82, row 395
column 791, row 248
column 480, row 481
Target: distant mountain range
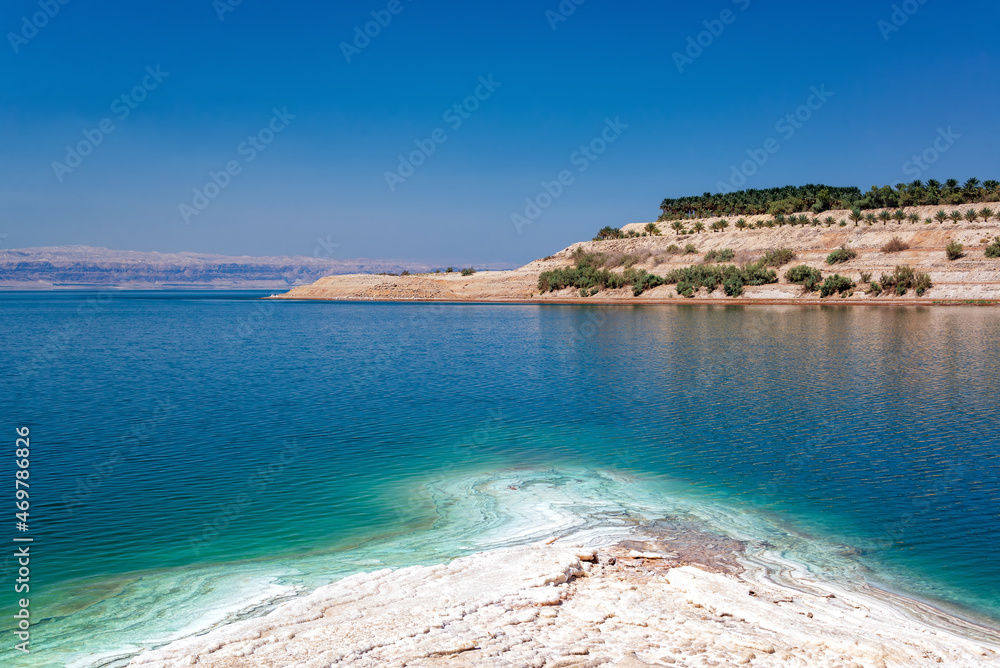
column 89, row 267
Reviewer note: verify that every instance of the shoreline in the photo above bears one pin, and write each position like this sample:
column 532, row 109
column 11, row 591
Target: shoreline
column 636, row 301
column 639, row 602
column 876, row 253
column 530, row 594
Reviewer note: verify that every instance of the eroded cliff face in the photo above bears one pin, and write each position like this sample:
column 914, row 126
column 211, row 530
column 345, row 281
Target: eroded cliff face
column 973, row 277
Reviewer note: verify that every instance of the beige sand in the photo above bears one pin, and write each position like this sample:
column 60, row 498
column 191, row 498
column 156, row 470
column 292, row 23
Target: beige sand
column 558, row 605
column 972, row 278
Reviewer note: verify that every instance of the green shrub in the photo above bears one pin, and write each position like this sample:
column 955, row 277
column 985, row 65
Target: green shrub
column 866, row 277
column 842, row 254
column 874, row 289
column 642, row 280
column 954, row 250
column 733, row 286
column 711, row 276
column 590, row 274
column 834, row 284
column 468, row 271
column 690, row 249
column 449, row 270
column 805, row 276
column 406, row 272
column 993, row 250
column 723, row 255
column 778, row 257
column 685, row 289
column 673, row 249
column 904, row 278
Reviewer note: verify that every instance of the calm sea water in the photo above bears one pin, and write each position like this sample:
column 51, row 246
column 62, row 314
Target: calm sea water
column 195, row 454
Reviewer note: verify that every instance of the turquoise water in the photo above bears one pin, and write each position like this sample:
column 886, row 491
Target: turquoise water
column 197, row 455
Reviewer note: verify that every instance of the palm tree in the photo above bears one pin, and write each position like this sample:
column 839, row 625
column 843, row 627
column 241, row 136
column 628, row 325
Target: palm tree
column 955, row 216
column 941, row 216
column 884, row 216
column 608, row 232
column 899, row 215
column 928, row 221
column 779, row 219
column 971, row 189
column 699, row 227
column 828, row 221
column 992, row 188
column 856, row 216
column 678, row 226
column 972, row 215
column 652, row 229
column 986, row 214
column 914, row 217
column 870, row 218
column 723, row 224
column 741, row 224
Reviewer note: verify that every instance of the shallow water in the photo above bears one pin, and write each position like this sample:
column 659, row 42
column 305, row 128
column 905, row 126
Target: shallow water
column 195, row 454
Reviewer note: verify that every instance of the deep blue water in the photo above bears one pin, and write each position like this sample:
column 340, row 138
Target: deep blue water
column 177, row 436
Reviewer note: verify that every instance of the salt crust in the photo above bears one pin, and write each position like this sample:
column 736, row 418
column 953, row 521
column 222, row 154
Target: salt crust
column 553, row 604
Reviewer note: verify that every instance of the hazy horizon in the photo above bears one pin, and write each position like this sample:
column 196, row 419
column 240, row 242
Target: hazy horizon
column 538, row 82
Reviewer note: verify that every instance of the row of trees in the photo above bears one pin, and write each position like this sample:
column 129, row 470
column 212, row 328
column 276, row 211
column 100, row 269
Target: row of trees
column 820, row 198
column 755, row 202
column 856, row 216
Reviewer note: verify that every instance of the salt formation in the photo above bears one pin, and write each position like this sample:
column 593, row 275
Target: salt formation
column 556, row 605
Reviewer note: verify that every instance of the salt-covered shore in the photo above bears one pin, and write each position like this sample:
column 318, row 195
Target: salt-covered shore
column 655, row 600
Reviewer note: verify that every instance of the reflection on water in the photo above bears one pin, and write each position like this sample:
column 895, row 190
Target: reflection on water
column 176, row 434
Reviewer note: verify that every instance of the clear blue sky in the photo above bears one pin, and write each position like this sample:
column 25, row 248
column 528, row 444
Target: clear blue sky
column 324, row 173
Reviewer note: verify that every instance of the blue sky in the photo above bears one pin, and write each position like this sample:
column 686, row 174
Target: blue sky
column 342, row 125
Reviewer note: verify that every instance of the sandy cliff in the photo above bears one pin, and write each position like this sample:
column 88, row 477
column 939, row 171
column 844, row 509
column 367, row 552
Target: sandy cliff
column 971, row 278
